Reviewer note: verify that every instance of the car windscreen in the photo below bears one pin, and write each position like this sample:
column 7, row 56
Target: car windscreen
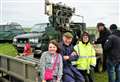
column 39, row 28
column 11, row 28
column 16, row 27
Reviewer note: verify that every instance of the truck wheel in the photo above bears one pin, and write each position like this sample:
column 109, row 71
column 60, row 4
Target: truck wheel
column 99, row 66
column 37, row 53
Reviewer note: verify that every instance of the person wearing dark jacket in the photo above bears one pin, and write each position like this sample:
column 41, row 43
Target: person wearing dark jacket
column 112, row 47
column 70, row 73
column 114, row 30
column 103, row 35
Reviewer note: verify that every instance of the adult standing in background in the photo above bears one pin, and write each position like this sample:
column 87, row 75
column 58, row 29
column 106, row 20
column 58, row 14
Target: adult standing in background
column 112, row 47
column 103, row 35
column 114, row 30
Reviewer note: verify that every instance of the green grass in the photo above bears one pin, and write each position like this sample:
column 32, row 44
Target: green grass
column 101, row 77
column 8, row 49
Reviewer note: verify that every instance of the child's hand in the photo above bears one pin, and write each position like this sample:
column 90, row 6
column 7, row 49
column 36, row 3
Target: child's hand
column 58, row 80
column 43, row 80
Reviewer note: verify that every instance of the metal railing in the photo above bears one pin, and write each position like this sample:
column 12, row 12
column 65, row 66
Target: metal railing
column 23, row 68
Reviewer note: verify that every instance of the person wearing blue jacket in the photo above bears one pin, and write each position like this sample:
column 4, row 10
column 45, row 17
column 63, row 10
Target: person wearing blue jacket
column 70, row 73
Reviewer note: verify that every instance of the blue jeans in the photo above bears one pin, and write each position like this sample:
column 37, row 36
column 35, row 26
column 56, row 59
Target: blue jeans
column 113, row 71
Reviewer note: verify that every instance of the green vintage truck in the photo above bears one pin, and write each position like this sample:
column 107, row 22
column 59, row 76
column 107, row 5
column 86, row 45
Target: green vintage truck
column 8, row 31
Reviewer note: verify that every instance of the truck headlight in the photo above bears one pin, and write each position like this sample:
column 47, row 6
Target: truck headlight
column 31, row 40
column 14, row 40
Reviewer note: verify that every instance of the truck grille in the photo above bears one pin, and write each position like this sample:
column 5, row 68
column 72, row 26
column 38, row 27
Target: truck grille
column 22, row 40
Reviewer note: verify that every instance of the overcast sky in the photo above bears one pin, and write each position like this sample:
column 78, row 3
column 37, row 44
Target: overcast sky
column 30, row 12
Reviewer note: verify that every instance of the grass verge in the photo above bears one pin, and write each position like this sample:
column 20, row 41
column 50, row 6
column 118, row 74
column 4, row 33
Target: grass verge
column 8, row 49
